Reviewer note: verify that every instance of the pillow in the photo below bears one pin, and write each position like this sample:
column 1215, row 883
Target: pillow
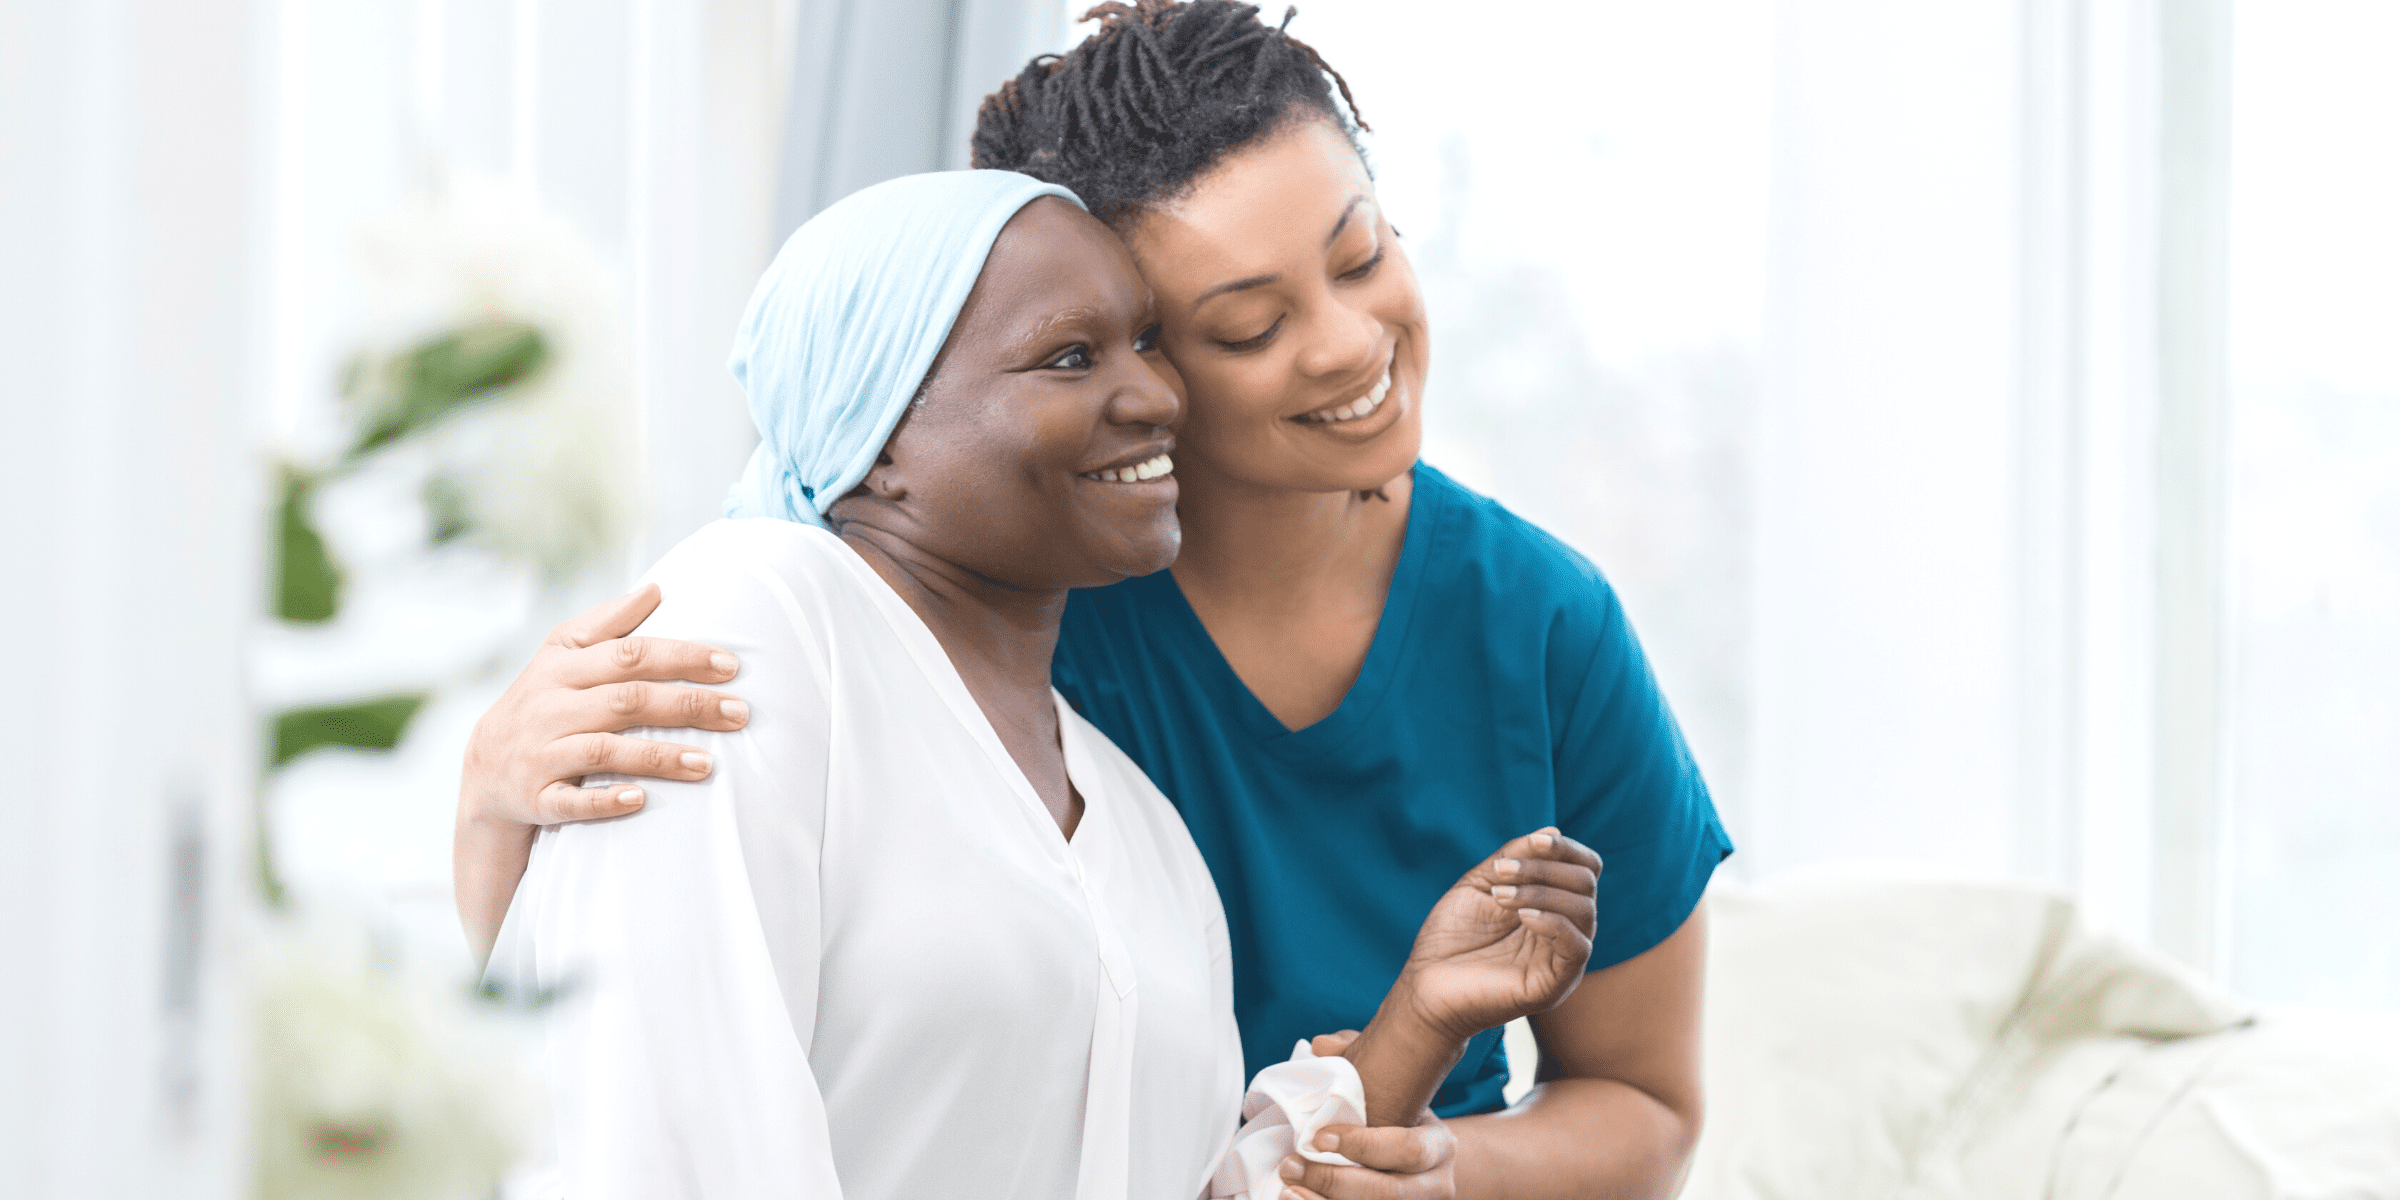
column 1863, row 1031
column 2302, row 1105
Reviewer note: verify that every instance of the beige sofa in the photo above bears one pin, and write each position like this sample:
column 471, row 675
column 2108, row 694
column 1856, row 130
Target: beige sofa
column 1892, row 1039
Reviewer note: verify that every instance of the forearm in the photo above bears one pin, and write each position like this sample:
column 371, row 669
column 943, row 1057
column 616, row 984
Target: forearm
column 1576, row 1139
column 487, row 858
column 1401, row 1060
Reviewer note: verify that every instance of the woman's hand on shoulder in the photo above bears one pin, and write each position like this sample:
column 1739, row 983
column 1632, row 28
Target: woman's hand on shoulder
column 562, row 719
column 1394, row 1163
column 1511, row 938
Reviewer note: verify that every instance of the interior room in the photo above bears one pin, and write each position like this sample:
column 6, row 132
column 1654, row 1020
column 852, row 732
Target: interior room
column 1987, row 414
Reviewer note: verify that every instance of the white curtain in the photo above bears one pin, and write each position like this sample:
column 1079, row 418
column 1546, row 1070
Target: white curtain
column 128, row 153
column 881, row 90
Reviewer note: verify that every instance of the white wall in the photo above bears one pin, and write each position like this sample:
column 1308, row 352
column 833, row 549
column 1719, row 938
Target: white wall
column 128, row 137
column 1987, row 480
column 1888, row 540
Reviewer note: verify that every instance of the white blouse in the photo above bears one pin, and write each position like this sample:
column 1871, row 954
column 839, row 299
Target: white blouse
column 859, row 960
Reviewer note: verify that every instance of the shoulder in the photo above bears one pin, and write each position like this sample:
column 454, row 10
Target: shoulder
column 744, row 545
column 731, row 576
column 1525, row 574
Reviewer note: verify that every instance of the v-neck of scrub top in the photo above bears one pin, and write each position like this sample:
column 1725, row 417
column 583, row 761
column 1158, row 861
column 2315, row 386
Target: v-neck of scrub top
column 1374, row 675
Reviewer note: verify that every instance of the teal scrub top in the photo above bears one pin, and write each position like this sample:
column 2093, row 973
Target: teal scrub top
column 1504, row 691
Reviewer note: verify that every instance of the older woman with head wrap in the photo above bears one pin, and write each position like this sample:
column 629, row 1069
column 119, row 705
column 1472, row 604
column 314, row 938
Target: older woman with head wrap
column 923, row 931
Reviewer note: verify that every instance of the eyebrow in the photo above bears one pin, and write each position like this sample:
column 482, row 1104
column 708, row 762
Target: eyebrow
column 1245, row 284
column 1238, row 285
column 1054, row 325
column 1344, row 222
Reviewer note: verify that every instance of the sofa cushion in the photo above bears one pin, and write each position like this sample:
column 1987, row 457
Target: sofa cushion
column 1867, row 1034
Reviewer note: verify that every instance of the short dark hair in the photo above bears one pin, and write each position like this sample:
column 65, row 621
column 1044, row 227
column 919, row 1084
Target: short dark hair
column 1163, row 92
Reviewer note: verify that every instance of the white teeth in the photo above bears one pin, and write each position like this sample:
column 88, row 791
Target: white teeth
column 1357, row 408
column 1135, row 473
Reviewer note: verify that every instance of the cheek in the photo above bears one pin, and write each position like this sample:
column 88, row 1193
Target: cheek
column 1399, row 303
column 1225, row 395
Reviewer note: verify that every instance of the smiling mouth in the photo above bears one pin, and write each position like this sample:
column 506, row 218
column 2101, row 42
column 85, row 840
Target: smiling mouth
column 1140, row 472
column 1353, row 410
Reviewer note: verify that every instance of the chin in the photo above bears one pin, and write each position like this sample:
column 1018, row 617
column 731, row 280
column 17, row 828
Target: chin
column 1379, row 462
column 1126, row 554
column 1157, row 553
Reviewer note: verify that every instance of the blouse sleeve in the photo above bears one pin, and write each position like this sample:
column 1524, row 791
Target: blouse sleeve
column 684, row 938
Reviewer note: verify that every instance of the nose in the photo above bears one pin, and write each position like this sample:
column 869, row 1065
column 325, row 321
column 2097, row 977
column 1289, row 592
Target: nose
column 1340, row 341
column 1143, row 396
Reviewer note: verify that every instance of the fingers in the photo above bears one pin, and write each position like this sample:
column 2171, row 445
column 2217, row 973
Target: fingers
column 612, row 753
column 619, row 706
column 1394, row 1163
column 1566, row 877
column 1549, row 843
column 1304, row 1178
column 1316, row 1179
column 618, row 660
column 608, row 619
column 1570, row 941
column 1408, row 1150
column 561, row 803
column 1548, row 871
column 1575, row 909
column 1332, row 1045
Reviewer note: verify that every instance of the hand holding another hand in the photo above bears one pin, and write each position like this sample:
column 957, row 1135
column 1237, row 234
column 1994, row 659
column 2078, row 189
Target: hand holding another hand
column 1411, row 1162
column 1511, row 938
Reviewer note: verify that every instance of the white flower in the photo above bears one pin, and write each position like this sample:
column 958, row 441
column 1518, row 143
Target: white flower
column 375, row 1081
column 540, row 474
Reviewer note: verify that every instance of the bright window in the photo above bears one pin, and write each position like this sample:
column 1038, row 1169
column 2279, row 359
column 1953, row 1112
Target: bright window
column 2313, row 717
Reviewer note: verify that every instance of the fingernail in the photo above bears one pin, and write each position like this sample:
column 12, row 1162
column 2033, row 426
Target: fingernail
column 723, row 662
column 630, row 796
column 734, row 710
column 1506, row 866
column 1543, row 840
column 1290, row 1169
column 1327, row 1141
column 695, row 762
column 1504, row 892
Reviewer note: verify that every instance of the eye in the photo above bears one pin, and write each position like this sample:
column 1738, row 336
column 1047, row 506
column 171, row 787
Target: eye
column 1073, row 358
column 1146, row 341
column 1362, row 270
column 1253, row 343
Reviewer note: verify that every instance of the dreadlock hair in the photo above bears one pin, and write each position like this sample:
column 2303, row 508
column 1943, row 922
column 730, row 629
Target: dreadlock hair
column 1163, row 92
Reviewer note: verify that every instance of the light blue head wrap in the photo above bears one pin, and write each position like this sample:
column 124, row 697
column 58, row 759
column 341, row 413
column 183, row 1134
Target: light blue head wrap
column 846, row 323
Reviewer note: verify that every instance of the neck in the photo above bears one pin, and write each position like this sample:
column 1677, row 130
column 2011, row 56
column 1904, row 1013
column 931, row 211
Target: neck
column 1244, row 540
column 998, row 636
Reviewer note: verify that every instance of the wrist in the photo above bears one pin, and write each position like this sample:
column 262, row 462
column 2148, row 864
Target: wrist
column 1401, row 1060
column 486, row 818
column 1407, row 1009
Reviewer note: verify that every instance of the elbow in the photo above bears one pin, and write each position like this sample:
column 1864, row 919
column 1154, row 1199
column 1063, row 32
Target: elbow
column 1685, row 1115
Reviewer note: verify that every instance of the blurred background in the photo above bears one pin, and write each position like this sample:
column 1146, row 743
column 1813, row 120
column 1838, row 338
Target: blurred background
column 1989, row 412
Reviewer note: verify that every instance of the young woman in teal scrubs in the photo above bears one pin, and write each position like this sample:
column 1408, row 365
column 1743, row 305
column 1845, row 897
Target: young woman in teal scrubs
column 1356, row 678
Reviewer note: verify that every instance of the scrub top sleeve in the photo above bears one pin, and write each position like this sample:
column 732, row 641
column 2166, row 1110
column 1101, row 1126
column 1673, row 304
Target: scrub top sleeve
column 1626, row 783
column 678, row 1058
